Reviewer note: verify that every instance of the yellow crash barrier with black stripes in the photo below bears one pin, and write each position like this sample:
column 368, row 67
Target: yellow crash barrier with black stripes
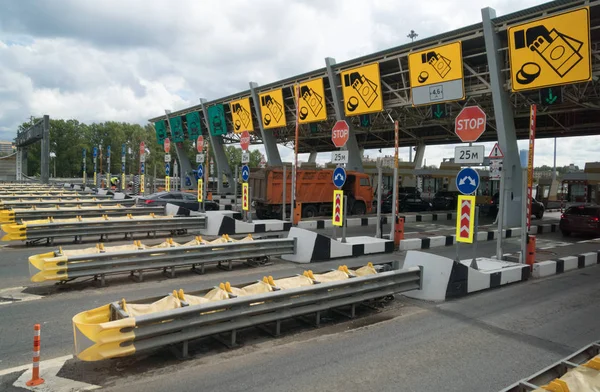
column 124, row 328
column 15, row 215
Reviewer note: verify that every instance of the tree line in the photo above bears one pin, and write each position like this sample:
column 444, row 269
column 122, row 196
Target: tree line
column 68, row 139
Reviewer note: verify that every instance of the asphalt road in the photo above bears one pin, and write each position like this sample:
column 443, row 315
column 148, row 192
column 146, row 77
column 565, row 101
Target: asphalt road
column 483, row 342
column 504, row 334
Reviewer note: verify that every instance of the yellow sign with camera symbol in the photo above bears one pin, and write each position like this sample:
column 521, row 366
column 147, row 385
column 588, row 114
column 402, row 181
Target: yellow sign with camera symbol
column 272, row 109
column 312, row 105
column 241, row 117
column 436, row 74
column 361, row 88
column 551, row 51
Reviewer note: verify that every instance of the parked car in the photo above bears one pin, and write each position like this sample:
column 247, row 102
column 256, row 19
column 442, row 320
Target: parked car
column 537, row 208
column 408, row 202
column 445, row 200
column 182, row 199
column 583, row 219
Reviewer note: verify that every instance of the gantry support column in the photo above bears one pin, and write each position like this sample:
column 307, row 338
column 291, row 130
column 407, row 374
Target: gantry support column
column 185, row 166
column 419, row 155
column 354, row 155
column 45, row 161
column 273, row 157
column 216, row 144
column 505, row 122
column 312, row 157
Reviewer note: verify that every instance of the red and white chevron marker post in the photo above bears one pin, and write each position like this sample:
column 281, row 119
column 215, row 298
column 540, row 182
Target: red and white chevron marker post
column 338, row 208
column 465, row 219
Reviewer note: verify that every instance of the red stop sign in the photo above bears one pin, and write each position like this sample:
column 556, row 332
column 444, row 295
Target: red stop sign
column 340, row 133
column 200, row 143
column 245, row 140
column 142, row 148
column 470, row 124
column 167, row 145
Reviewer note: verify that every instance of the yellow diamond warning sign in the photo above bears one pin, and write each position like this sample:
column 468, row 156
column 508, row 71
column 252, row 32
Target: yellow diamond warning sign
column 551, row 51
column 241, row 116
column 272, row 109
column 312, row 101
column 361, row 88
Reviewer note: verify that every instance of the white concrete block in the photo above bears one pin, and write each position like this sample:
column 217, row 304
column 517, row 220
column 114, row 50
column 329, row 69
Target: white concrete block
column 570, row 262
column 339, row 249
column 436, row 273
column 482, row 236
column 372, row 220
column 516, row 232
column 426, row 218
column 308, row 225
column 590, row 258
column 477, row 281
column 305, row 244
column 437, row 241
column 410, row 244
column 372, row 244
column 544, row 268
column 353, row 222
column 409, row 218
column 327, row 223
column 533, row 229
column 511, row 274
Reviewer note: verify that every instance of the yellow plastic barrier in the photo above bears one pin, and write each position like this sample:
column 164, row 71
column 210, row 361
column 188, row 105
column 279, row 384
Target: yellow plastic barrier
column 99, row 337
column 7, row 216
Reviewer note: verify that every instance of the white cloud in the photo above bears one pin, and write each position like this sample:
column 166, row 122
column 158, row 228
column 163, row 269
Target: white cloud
column 128, row 61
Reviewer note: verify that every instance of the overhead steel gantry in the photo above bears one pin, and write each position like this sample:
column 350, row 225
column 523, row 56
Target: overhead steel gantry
column 487, row 83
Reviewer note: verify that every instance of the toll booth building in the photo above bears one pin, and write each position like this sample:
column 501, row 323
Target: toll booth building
column 583, row 187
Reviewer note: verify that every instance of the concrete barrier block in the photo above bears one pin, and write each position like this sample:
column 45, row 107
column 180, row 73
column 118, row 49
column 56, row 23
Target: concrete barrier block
column 590, row 258
column 437, row 241
column 511, row 275
column 353, row 222
column 409, row 218
column 482, row 236
column 570, row 262
column 516, row 232
column 308, row 225
column 410, row 244
column 544, row 268
column 427, row 218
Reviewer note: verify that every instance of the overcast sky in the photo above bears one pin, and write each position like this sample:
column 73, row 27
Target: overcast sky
column 129, row 60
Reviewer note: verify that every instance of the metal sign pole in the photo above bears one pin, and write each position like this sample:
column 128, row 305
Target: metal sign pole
column 524, row 233
column 500, row 217
column 395, row 190
column 295, row 168
column 475, row 231
column 235, row 188
column 284, row 183
column 379, row 183
column 249, row 204
column 345, row 220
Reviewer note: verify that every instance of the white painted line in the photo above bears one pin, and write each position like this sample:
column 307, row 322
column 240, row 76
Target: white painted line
column 16, row 294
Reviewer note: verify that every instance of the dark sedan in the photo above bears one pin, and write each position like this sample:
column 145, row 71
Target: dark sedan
column 445, row 200
column 407, row 203
column 580, row 219
column 537, row 208
column 182, row 199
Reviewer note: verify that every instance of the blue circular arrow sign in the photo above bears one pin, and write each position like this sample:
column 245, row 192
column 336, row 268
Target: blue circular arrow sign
column 200, row 171
column 167, row 169
column 467, row 181
column 339, row 177
column 245, row 173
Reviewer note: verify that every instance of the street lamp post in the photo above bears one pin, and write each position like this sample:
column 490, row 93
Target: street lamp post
column 53, row 156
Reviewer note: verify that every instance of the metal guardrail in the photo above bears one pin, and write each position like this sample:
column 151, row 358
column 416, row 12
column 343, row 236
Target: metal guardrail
column 64, row 202
column 55, row 266
column 585, row 362
column 109, row 331
column 30, row 192
column 45, row 196
column 104, row 226
column 19, row 215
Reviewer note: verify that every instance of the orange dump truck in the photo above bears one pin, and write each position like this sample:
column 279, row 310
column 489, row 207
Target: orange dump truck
column 315, row 192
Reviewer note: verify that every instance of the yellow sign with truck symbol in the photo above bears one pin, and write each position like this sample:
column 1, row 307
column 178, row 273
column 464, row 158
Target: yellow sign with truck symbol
column 241, row 117
column 436, row 74
column 311, row 106
column 551, row 51
column 272, row 109
column 361, row 88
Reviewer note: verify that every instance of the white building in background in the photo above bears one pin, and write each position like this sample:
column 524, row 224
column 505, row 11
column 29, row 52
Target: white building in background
column 6, row 148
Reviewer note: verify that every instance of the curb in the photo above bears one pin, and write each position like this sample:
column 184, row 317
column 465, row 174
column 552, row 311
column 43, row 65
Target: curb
column 563, row 264
column 449, row 240
column 372, row 220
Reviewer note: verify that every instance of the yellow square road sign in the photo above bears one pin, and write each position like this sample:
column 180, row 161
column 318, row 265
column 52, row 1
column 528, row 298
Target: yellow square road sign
column 272, row 109
column 245, row 197
column 551, row 51
column 361, row 88
column 241, row 115
column 465, row 219
column 436, row 74
column 312, row 101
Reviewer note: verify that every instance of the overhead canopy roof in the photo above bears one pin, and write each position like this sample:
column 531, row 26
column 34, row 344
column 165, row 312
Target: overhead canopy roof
column 577, row 115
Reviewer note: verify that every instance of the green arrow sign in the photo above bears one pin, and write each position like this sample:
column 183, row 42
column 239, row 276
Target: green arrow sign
column 438, row 111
